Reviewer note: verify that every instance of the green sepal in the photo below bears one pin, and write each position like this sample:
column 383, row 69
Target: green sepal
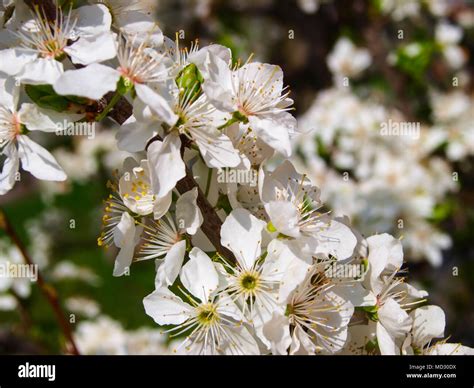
column 271, row 228
column 372, row 312
column 124, row 86
column 189, row 81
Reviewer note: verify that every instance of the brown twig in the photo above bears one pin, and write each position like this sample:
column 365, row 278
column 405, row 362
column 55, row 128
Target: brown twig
column 26, row 320
column 212, row 224
column 121, row 111
column 48, row 291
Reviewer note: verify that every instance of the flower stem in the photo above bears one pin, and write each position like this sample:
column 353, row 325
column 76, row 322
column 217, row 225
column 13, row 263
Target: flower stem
column 116, row 98
column 228, row 123
column 48, row 290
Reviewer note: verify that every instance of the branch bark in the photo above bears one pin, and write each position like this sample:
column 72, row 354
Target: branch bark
column 212, row 224
column 47, row 290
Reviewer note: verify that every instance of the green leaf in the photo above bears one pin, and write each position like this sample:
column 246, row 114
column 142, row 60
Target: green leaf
column 45, row 97
column 57, row 103
column 414, row 58
column 441, row 211
column 372, row 346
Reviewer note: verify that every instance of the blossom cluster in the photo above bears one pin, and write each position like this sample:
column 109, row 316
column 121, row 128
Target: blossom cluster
column 249, row 262
column 389, row 172
column 105, row 336
column 384, row 183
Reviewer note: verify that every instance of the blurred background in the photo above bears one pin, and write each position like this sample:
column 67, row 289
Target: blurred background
column 353, row 67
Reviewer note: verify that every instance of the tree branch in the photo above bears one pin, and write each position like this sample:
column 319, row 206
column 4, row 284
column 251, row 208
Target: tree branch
column 48, row 291
column 212, row 224
column 122, row 109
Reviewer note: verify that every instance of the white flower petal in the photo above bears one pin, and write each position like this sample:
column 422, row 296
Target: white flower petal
column 386, row 342
column 386, row 249
column 38, row 119
column 200, row 57
column 215, row 147
column 41, row 71
column 13, row 60
column 428, row 323
column 283, row 266
column 277, row 331
column 142, row 27
column 359, row 337
column 166, row 308
column 268, row 78
column 9, row 93
column 218, row 83
column 170, row 265
column 284, row 216
column 91, row 20
column 301, row 342
column 385, row 253
column 98, row 48
column 227, row 306
column 240, row 342
column 241, row 232
column 162, row 204
column 357, row 294
column 156, row 102
column 188, row 214
column 275, row 130
column 91, row 82
column 124, row 238
column 336, row 239
column 412, row 292
column 38, row 161
column 133, row 136
column 394, row 319
column 9, row 169
column 199, row 275
column 166, row 164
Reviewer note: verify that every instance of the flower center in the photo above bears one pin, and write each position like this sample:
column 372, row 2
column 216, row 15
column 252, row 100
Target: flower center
column 138, row 62
column 290, row 310
column 50, row 38
column 52, row 49
column 16, row 125
column 242, row 110
column 207, row 314
column 130, row 76
column 10, row 127
column 249, row 281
